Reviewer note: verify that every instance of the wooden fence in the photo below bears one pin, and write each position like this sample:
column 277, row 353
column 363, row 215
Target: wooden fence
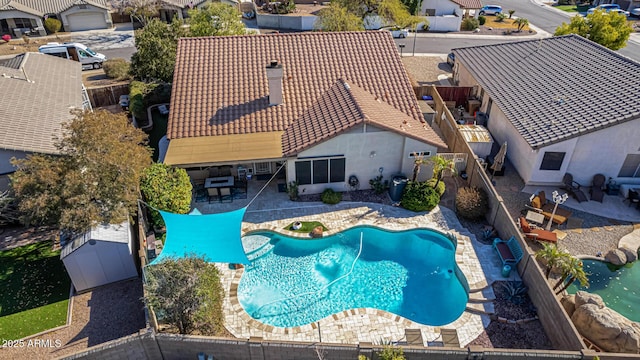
column 107, row 95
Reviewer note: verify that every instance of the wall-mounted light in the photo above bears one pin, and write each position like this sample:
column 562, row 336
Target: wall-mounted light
column 372, row 154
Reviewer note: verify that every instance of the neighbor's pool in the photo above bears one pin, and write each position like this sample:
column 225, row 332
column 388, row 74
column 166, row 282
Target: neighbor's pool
column 617, row 285
column 299, row 281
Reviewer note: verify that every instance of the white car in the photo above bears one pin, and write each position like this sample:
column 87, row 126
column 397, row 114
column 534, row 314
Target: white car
column 635, row 12
column 608, row 8
column 399, row 33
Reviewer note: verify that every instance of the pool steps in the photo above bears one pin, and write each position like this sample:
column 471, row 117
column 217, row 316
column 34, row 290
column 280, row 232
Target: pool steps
column 260, row 251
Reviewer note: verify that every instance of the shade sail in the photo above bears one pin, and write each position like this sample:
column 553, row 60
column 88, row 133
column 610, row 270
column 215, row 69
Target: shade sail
column 216, row 237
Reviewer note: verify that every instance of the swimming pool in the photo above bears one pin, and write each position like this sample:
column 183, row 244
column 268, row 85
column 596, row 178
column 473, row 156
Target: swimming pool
column 299, row 281
column 618, row 286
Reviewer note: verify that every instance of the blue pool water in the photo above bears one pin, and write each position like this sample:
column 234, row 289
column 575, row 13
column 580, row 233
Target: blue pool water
column 618, row 286
column 299, row 281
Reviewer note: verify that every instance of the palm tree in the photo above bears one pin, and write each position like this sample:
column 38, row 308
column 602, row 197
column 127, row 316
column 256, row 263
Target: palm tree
column 521, row 22
column 417, row 163
column 511, row 12
column 551, row 255
column 440, row 165
column 571, row 270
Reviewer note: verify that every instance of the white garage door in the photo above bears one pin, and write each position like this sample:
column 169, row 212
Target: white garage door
column 86, row 21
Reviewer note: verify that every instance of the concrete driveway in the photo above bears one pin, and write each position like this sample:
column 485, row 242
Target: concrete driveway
column 108, row 39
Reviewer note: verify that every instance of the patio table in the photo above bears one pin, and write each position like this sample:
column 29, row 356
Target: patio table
column 219, row 182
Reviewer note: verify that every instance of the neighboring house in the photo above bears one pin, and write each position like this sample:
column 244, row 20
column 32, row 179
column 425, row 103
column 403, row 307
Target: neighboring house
column 446, row 15
column 38, row 92
column 331, row 104
column 103, row 255
column 18, row 17
column 563, row 104
column 180, row 8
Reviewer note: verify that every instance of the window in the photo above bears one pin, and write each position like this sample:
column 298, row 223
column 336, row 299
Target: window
column 320, row 171
column 429, row 12
column 419, row 154
column 552, row 160
column 24, row 23
column 631, row 166
column 83, row 54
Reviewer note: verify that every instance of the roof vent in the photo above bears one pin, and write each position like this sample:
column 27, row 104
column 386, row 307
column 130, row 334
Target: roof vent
column 346, row 86
column 274, row 76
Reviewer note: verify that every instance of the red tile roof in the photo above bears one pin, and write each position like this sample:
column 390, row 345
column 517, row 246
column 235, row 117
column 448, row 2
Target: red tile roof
column 343, row 106
column 220, row 83
column 469, row 4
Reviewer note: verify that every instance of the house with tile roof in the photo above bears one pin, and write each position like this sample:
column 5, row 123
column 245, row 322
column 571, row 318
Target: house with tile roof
column 18, row 17
column 563, row 104
column 180, row 8
column 38, row 92
column 447, row 15
column 331, row 105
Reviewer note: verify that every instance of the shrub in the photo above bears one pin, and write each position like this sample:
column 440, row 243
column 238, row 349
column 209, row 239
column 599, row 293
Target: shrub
column 470, row 23
column 166, row 188
column 441, row 186
column 136, row 99
column 482, row 20
column 331, row 197
column 419, row 197
column 472, row 203
column 143, row 95
column 52, row 25
column 117, row 68
column 500, row 17
column 378, row 185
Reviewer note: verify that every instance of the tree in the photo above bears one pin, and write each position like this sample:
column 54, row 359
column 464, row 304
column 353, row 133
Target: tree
column 418, row 161
column 338, row 18
column 188, row 293
column 610, row 30
column 166, row 188
column 216, row 19
column 392, row 11
column 571, row 271
column 521, row 22
column 140, row 10
column 156, row 46
column 8, row 209
column 52, row 25
column 440, row 165
column 95, row 178
column 551, row 256
column 511, row 12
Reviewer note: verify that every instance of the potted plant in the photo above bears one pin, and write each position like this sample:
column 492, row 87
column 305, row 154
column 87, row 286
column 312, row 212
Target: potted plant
column 296, row 225
column 292, row 190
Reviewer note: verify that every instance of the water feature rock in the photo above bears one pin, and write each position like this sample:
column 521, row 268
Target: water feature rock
column 630, row 254
column 607, row 329
column 616, row 257
column 569, row 304
column 583, row 297
column 316, row 232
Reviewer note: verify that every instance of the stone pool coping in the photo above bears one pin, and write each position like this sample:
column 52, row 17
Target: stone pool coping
column 365, row 324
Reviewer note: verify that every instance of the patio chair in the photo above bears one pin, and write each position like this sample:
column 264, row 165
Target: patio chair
column 597, row 184
column 573, row 188
column 634, row 198
column 213, row 194
column 225, row 195
column 540, row 205
column 534, row 233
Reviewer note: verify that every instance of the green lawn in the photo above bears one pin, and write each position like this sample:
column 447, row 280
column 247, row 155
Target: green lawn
column 567, row 8
column 307, row 226
column 35, row 292
column 159, row 130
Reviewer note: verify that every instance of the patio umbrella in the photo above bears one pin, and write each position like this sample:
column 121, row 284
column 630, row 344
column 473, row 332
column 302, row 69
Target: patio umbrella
column 498, row 160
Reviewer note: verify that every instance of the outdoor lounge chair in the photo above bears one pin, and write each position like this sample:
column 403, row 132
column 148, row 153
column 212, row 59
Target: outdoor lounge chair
column 573, row 188
column 535, row 233
column 539, row 204
column 597, row 184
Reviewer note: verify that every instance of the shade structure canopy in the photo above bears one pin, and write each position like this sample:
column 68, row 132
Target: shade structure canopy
column 499, row 159
column 216, row 237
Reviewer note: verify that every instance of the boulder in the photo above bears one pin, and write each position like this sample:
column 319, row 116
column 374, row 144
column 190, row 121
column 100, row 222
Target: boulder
column 616, row 257
column 583, row 297
column 317, row 232
column 569, row 304
column 607, row 329
column 630, row 254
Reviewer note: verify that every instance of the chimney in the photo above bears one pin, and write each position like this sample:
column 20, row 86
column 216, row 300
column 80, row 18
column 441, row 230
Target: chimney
column 274, row 75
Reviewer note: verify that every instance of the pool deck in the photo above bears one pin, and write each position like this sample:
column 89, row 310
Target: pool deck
column 370, row 325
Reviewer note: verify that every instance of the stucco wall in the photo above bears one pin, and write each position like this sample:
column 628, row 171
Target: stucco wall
column 443, row 7
column 286, row 22
column 365, row 153
column 444, row 23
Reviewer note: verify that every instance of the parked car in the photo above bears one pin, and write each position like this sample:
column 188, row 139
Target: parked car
column 491, row 10
column 74, row 51
column 451, row 59
column 398, row 33
column 620, row 11
column 635, row 12
column 607, row 8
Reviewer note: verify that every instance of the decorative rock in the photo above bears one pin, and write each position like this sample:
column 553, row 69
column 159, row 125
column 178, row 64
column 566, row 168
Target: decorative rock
column 630, row 254
column 569, row 304
column 616, row 257
column 583, row 297
column 316, row 232
column 607, row 329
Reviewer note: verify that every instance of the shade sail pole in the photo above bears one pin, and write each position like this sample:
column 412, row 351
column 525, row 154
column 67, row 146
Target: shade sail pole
column 267, row 184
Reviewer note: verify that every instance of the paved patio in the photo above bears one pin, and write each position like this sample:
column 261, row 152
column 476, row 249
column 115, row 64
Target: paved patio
column 369, row 325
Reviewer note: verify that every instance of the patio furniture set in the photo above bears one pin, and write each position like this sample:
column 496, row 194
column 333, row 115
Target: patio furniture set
column 220, row 186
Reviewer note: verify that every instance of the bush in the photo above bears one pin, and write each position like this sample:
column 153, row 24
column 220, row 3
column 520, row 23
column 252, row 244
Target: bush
column 472, row 203
column 143, row 95
column 419, row 197
column 500, row 17
column 482, row 20
column 166, row 188
column 470, row 23
column 441, row 186
column 52, row 25
column 331, row 197
column 117, row 69
column 378, row 185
